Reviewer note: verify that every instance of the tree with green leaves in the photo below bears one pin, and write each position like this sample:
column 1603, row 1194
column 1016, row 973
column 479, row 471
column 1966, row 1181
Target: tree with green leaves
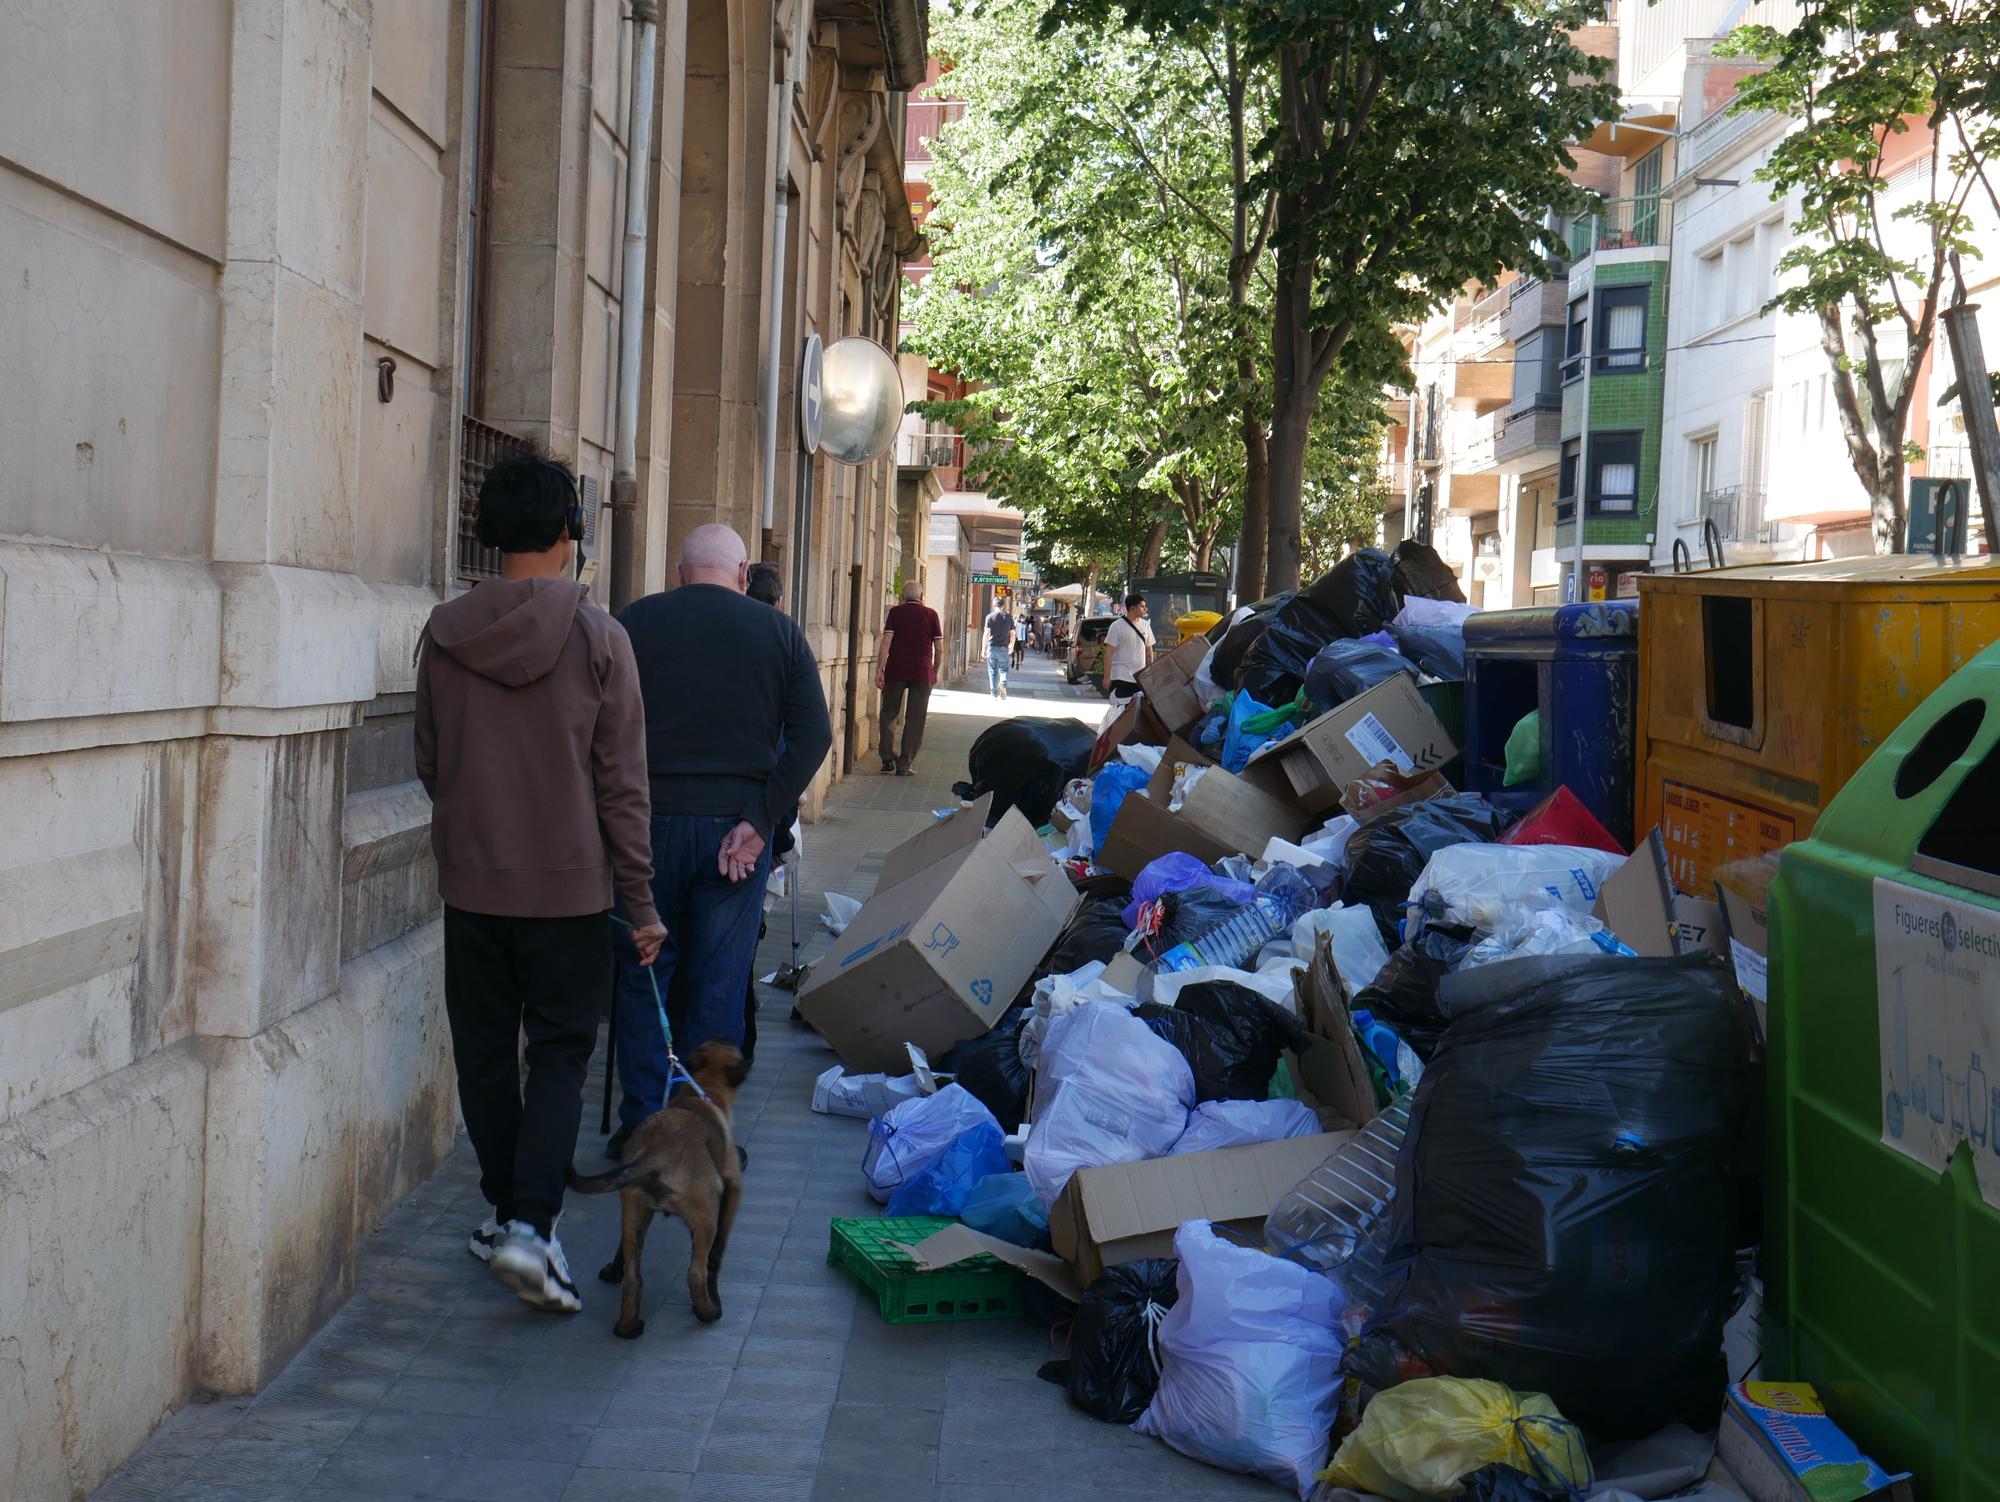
column 1417, row 145
column 1870, row 269
column 1075, row 286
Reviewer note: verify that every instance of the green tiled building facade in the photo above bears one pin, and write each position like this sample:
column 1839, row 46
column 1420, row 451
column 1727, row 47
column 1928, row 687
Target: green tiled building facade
column 1624, row 401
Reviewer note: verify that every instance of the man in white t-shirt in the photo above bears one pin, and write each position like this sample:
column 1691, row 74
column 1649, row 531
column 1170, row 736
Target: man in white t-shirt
column 1128, row 647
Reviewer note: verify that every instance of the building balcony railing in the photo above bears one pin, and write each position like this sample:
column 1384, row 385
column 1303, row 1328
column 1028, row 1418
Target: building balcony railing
column 1715, row 135
column 1477, row 313
column 483, row 447
column 1620, row 224
column 1735, row 509
column 933, row 447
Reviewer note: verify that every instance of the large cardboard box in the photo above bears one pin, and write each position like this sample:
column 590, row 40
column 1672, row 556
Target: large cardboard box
column 1223, row 815
column 1390, row 723
column 955, row 928
column 1168, row 683
column 1331, row 1073
column 1124, row 1211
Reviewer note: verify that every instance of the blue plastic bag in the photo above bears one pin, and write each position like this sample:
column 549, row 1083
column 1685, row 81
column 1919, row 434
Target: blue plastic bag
column 940, row 1187
column 1179, row 872
column 1006, row 1205
column 1108, row 793
column 1238, row 744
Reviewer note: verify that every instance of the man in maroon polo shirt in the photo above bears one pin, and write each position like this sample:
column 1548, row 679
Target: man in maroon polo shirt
column 912, row 653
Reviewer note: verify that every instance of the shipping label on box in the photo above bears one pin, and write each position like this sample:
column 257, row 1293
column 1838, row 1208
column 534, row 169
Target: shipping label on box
column 1388, row 725
column 942, row 949
column 1937, row 991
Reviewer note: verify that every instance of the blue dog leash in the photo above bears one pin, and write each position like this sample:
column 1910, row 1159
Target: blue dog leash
column 676, row 1071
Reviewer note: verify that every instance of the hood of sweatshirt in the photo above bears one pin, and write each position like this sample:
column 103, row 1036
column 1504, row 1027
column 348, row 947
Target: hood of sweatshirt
column 509, row 630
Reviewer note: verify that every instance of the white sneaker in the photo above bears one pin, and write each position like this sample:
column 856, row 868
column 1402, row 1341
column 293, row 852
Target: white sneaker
column 482, row 1241
column 535, row 1269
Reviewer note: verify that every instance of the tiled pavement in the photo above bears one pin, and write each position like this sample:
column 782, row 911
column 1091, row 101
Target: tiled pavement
column 434, row 1382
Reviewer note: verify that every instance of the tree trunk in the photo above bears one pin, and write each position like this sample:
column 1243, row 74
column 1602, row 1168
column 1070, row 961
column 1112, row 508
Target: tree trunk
column 1886, row 506
column 1089, row 592
column 1291, row 420
column 1251, row 550
column 1204, row 552
column 1148, row 563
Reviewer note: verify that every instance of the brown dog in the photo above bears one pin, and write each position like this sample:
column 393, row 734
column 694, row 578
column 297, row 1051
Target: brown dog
column 680, row 1161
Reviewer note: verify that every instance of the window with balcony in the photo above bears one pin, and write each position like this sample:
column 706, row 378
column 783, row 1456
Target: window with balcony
column 1701, row 456
column 1614, row 474
column 1621, row 328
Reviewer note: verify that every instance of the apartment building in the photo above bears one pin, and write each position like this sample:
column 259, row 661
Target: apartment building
column 285, row 276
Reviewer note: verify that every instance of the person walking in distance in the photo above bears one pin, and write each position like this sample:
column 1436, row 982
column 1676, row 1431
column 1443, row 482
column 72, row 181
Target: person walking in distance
column 912, row 656
column 1128, row 647
column 999, row 648
column 1020, row 641
column 531, row 741
column 736, row 726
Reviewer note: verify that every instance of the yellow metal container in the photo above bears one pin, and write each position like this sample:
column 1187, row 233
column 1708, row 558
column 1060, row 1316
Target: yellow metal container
column 1763, row 689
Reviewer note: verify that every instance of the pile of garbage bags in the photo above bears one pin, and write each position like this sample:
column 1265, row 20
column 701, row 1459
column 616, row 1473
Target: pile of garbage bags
column 1521, row 1244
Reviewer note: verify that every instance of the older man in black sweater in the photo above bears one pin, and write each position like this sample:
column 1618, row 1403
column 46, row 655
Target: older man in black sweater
column 736, row 726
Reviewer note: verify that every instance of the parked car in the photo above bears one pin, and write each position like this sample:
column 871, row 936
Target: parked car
column 1086, row 652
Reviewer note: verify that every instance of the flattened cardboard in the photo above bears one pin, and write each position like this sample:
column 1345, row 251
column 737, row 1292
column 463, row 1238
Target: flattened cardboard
column 1223, row 815
column 937, row 956
column 1124, row 1211
column 1389, row 723
column 1743, row 888
column 1168, row 683
column 1698, row 925
column 1636, row 901
column 1417, row 787
column 956, row 1243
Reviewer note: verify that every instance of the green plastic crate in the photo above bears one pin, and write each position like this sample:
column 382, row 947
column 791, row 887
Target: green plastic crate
column 980, row 1287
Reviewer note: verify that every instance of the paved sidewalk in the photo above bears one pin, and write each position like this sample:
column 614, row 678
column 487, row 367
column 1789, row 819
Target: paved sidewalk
column 435, row 1382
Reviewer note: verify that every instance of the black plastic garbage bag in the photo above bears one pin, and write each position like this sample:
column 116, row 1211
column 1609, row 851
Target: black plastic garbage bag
column 1238, row 639
column 1097, row 931
column 1386, row 856
column 1025, row 764
column 1274, row 669
column 990, row 1067
column 1348, row 667
column 1502, row 1483
column 1113, row 1368
column 1438, row 650
column 1564, row 1219
column 1187, row 915
column 1230, row 1036
column 1419, row 571
column 1404, row 993
column 1358, row 593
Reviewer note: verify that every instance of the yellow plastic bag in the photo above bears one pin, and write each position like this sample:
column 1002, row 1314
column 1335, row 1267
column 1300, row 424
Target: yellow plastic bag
column 1417, row 1441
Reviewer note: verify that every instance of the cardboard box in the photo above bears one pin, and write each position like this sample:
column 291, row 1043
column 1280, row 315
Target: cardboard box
column 1124, row 1211
column 1743, row 891
column 955, row 928
column 1168, row 683
column 1332, row 1075
column 1223, row 815
column 1136, row 724
column 1781, row 1446
column 1636, row 902
column 1417, row 787
column 1390, row 723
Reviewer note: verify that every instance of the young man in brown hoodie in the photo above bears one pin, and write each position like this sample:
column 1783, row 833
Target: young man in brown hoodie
column 531, row 741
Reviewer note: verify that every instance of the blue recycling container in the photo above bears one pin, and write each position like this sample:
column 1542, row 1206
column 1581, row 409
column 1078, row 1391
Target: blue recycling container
column 1578, row 665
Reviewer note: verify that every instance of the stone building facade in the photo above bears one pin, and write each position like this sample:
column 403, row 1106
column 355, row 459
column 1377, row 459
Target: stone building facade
column 282, row 277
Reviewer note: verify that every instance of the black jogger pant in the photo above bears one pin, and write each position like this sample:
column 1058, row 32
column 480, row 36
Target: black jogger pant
column 547, row 977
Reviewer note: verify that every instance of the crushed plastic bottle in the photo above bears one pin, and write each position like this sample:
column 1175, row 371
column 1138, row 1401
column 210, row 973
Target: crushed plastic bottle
column 1234, row 942
column 1336, row 1218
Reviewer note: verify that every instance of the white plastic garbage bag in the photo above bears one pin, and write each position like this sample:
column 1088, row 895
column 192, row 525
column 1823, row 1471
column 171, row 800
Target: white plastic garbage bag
column 1275, row 978
column 840, row 911
column 1482, row 886
column 1358, row 951
column 1119, row 1094
column 1145, row 758
column 1328, row 843
column 901, row 1143
column 1544, row 930
column 1249, row 1362
column 866, row 1096
column 1056, row 994
column 1422, row 613
column 1206, row 688
column 1243, row 1123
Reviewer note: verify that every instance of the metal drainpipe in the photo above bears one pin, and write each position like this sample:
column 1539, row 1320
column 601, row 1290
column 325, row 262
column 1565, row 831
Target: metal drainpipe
column 780, row 213
column 625, row 581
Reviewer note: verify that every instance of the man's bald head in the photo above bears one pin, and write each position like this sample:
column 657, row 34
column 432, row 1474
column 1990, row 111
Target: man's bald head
column 714, row 554
column 913, row 591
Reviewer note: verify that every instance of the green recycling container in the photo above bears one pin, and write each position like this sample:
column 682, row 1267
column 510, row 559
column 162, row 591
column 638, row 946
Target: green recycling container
column 1883, row 1244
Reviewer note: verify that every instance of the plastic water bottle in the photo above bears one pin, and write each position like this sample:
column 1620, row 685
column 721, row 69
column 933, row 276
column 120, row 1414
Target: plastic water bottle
column 1335, row 1219
column 1232, row 942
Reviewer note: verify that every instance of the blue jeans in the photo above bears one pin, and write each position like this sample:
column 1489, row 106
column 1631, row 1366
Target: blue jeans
column 703, row 967
column 997, row 659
